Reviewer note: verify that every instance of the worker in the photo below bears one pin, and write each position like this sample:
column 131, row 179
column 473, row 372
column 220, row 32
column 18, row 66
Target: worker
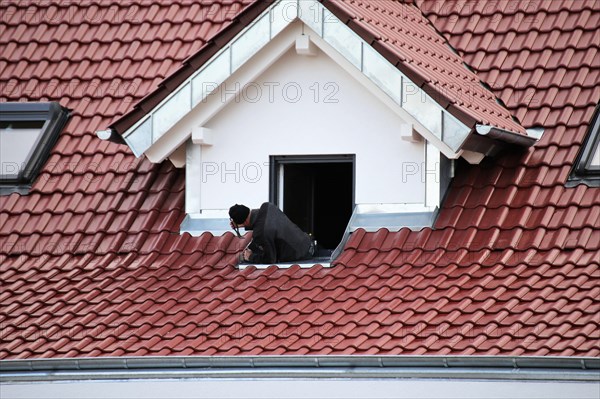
column 275, row 238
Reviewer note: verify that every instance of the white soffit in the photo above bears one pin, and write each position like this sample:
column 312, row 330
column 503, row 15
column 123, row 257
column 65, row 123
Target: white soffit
column 326, row 31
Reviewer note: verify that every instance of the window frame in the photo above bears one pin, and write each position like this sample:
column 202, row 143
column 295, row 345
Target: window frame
column 583, row 171
column 54, row 118
column 276, row 160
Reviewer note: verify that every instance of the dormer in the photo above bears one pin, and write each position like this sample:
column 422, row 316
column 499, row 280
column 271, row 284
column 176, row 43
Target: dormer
column 342, row 124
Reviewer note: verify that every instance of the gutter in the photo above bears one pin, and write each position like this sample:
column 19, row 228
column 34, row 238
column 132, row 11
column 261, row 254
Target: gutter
column 581, row 369
column 505, row 135
column 110, row 135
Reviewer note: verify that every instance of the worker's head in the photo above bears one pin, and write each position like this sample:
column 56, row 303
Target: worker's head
column 239, row 215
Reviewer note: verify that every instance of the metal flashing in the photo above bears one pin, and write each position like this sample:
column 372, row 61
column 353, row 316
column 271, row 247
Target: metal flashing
column 373, row 217
column 505, row 135
column 196, row 225
column 536, row 132
column 345, row 367
column 305, row 264
column 110, row 135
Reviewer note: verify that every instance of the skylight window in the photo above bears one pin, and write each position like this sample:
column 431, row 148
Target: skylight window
column 587, row 166
column 17, row 142
column 27, row 133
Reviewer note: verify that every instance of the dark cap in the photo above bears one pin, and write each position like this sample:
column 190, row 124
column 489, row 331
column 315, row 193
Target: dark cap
column 239, row 213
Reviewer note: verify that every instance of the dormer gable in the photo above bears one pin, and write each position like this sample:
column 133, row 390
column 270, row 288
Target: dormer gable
column 399, row 121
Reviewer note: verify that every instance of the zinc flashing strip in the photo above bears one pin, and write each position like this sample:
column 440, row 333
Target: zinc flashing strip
column 287, row 265
column 179, row 367
column 505, row 135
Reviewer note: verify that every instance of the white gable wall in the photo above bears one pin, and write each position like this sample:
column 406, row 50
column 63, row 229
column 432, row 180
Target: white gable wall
column 302, row 106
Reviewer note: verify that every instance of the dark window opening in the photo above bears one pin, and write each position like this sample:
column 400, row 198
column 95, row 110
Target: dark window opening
column 317, row 193
column 587, row 165
column 27, row 133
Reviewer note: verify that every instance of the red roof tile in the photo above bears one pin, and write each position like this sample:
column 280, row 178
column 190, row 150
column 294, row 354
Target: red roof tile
column 92, row 263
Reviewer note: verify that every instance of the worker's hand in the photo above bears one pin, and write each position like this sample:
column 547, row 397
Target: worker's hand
column 246, row 255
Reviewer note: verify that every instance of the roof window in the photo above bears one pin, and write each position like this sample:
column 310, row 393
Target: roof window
column 27, row 133
column 587, row 165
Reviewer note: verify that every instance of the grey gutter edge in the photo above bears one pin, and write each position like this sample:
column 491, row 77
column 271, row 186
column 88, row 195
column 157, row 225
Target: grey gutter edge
column 505, row 135
column 110, row 135
column 580, row 369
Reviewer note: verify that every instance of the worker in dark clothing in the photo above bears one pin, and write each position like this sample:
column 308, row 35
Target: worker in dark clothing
column 275, row 238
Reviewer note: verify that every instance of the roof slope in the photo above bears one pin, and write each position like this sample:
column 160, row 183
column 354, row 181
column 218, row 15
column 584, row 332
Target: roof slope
column 406, row 38
column 91, row 263
column 93, row 196
column 540, row 58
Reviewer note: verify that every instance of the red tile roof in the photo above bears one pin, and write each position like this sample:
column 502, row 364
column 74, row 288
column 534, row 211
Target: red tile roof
column 91, row 262
column 540, row 58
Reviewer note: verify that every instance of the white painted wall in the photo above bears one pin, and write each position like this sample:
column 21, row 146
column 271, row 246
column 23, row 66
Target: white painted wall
column 307, row 105
column 299, row 388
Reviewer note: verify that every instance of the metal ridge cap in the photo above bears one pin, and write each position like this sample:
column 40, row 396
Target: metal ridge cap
column 505, row 135
column 291, row 361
